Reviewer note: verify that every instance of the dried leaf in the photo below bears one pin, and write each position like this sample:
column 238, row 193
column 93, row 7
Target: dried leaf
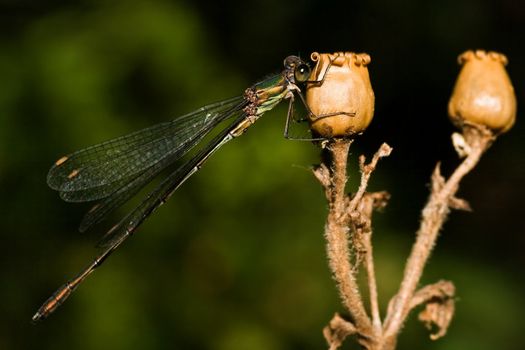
column 437, row 314
column 337, row 331
column 439, row 307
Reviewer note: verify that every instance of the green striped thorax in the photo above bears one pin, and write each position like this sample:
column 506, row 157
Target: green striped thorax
column 265, row 95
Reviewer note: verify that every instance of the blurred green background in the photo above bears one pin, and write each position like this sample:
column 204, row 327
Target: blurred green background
column 236, row 258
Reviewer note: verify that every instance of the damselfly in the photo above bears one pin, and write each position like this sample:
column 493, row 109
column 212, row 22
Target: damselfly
column 114, row 171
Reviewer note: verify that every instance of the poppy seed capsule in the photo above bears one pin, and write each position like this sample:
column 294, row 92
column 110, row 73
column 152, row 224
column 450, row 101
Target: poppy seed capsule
column 483, row 93
column 340, row 96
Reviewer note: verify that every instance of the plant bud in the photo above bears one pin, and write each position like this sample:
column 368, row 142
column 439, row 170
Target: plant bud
column 483, row 93
column 341, row 96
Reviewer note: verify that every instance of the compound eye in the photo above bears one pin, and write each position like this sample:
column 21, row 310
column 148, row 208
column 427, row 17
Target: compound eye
column 302, row 73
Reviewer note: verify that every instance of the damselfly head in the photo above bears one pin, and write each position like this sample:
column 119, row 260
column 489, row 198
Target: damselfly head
column 301, row 70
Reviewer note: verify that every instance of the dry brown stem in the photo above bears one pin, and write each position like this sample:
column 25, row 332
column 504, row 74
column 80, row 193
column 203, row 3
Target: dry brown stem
column 345, row 215
column 336, row 232
column 349, row 221
column 369, row 202
column 442, row 198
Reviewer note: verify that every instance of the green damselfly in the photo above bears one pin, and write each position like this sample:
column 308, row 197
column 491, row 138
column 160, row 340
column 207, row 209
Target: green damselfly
column 116, row 170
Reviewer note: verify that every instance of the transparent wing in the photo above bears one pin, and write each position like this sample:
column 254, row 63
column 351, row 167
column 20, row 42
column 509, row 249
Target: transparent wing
column 114, row 237
column 100, row 210
column 98, row 171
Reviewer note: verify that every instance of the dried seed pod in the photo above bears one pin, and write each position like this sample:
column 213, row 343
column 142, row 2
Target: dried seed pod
column 483, row 93
column 341, row 97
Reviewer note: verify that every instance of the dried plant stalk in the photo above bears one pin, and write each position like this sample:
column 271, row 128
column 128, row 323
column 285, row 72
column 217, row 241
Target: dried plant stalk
column 336, row 231
column 350, row 216
column 441, row 199
column 349, row 220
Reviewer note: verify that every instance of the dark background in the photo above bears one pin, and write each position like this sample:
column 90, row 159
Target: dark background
column 236, row 258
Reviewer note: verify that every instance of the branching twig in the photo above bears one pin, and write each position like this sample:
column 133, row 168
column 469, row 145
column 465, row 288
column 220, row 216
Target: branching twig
column 349, row 220
column 343, row 211
column 366, row 171
column 433, row 216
